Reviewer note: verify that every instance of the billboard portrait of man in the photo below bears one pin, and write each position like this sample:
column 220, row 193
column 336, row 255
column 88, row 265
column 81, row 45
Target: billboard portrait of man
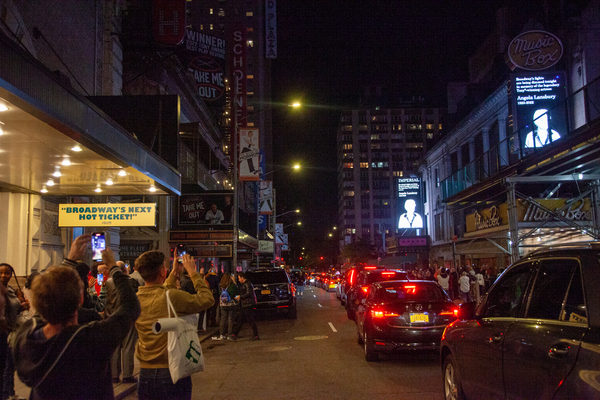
column 410, row 219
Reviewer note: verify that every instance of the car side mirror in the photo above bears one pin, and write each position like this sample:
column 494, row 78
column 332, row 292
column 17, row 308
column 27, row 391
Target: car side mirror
column 466, row 310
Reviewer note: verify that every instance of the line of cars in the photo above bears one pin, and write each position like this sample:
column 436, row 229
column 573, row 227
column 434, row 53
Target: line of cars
column 326, row 281
column 535, row 334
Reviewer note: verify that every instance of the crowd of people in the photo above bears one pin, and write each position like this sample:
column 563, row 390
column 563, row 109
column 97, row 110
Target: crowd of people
column 463, row 284
column 88, row 322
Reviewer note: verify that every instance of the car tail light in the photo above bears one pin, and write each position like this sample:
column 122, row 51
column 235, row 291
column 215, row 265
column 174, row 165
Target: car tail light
column 383, row 314
column 371, row 267
column 388, row 273
column 410, row 289
column 450, row 311
column 365, row 289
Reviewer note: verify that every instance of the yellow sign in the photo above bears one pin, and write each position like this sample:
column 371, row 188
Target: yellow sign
column 113, row 214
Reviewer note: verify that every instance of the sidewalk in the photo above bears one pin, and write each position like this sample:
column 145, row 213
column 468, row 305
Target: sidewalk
column 121, row 390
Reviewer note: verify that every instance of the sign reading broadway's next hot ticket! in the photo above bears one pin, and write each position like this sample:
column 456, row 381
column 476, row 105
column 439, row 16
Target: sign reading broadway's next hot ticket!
column 114, row 214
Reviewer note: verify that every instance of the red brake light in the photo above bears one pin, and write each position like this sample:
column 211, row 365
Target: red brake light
column 388, row 273
column 410, row 289
column 365, row 289
column 371, row 267
column 351, row 277
column 382, row 314
column 451, row 311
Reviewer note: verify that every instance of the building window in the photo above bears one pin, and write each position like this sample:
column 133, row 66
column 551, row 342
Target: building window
column 374, row 137
column 364, row 165
column 221, row 12
column 348, row 165
column 250, row 43
column 211, row 11
column 347, row 147
column 249, row 14
column 375, row 146
column 211, row 27
column 349, row 193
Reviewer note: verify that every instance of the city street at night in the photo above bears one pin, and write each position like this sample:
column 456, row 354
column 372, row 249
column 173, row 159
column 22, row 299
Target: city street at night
column 314, row 357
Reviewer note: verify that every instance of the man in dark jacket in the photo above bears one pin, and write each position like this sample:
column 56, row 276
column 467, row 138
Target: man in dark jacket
column 56, row 348
column 247, row 300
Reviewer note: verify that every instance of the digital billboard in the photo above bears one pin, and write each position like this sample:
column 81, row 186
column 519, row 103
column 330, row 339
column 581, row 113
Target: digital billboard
column 538, row 107
column 410, row 205
column 208, row 208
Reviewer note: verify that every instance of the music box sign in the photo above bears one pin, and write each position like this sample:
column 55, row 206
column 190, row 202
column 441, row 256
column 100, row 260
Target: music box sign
column 111, row 214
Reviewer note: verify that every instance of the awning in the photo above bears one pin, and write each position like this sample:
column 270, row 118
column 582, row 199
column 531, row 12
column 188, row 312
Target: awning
column 55, row 142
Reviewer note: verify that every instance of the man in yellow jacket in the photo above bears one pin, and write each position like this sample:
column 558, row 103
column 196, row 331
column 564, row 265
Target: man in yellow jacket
column 154, row 379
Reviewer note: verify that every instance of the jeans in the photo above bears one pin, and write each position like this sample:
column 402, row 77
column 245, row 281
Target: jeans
column 228, row 317
column 300, row 290
column 156, row 384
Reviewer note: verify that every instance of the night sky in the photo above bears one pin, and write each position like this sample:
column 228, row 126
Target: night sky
column 328, row 51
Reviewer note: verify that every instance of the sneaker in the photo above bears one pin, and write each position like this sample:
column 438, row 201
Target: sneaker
column 253, row 338
column 222, row 337
column 131, row 379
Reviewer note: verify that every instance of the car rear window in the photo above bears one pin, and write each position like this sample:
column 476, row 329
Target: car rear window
column 380, row 276
column 412, row 291
column 268, row 277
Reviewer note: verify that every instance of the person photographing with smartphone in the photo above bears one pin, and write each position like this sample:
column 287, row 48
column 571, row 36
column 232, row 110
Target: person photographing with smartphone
column 57, row 357
column 154, row 380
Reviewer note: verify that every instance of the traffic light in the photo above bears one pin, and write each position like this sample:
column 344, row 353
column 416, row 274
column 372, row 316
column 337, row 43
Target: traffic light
column 321, row 257
column 300, row 258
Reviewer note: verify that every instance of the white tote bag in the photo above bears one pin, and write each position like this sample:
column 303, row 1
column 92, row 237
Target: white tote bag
column 185, row 352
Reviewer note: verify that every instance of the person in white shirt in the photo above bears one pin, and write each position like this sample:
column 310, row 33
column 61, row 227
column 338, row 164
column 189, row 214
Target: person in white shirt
column 410, row 219
column 464, row 287
column 213, row 215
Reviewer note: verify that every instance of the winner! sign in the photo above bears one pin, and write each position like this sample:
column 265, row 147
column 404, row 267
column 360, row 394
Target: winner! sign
column 113, row 214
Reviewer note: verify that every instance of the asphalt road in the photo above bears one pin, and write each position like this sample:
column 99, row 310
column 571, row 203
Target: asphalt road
column 314, row 357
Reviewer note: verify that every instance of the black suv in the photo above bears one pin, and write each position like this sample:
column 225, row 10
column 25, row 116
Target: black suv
column 273, row 290
column 360, row 289
column 534, row 335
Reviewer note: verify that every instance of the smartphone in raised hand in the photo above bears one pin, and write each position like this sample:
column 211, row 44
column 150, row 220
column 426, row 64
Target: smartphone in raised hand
column 98, row 245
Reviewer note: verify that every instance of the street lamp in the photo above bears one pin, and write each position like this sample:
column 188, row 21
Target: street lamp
column 299, row 223
column 236, row 122
column 297, row 211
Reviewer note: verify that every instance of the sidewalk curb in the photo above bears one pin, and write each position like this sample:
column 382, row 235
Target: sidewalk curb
column 207, row 335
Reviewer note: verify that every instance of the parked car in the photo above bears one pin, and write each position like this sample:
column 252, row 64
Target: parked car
column 534, row 335
column 403, row 315
column 365, row 278
column 273, row 290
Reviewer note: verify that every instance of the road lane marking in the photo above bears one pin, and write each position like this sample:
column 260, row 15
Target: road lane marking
column 332, row 327
column 319, row 305
column 314, row 295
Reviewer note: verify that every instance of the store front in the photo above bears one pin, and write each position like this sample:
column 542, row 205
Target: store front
column 59, row 148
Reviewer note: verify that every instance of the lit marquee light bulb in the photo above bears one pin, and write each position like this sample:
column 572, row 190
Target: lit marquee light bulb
column 152, row 188
column 109, row 181
column 76, row 148
column 50, row 182
column 122, row 173
column 66, row 161
column 44, row 190
column 57, row 174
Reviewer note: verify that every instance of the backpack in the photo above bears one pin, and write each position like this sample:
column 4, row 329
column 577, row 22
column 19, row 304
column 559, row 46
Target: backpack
column 225, row 297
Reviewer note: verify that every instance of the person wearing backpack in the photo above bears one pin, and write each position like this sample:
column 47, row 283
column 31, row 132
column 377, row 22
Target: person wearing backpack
column 229, row 307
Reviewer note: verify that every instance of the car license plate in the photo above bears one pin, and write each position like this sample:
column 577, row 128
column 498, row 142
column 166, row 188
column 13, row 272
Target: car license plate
column 419, row 318
column 265, row 291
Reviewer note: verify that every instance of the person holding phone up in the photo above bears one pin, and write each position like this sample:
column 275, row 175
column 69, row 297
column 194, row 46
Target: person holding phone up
column 154, row 380
column 55, row 356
